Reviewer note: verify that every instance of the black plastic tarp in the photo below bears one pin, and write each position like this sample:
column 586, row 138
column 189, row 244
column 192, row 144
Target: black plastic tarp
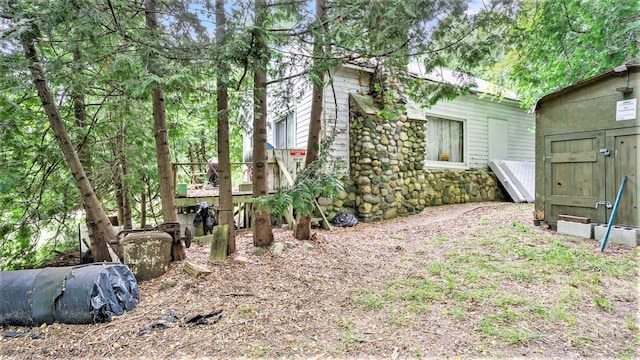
column 83, row 294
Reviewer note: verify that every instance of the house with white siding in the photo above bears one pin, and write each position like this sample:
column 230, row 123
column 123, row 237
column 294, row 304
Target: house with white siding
column 469, row 131
column 426, row 156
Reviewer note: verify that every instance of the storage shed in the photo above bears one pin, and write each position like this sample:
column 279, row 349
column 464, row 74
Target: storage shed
column 587, row 137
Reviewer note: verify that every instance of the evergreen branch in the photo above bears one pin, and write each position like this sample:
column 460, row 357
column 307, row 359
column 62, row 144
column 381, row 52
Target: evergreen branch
column 271, row 82
column 566, row 15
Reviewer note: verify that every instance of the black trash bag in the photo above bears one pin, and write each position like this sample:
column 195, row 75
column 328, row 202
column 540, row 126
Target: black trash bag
column 202, row 318
column 344, row 219
column 160, row 323
column 83, row 294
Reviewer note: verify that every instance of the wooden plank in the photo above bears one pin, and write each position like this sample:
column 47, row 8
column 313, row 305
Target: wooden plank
column 211, row 200
column 284, row 170
column 570, row 157
column 325, row 223
column 219, row 243
column 575, row 219
column 577, row 201
column 288, row 215
column 195, row 270
column 626, row 164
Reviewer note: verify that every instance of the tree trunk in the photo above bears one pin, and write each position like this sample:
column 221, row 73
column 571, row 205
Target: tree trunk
column 224, row 161
column 194, row 168
column 261, row 220
column 303, row 221
column 127, row 220
column 116, row 170
column 120, row 171
column 80, row 113
column 125, row 212
column 100, row 225
column 117, row 189
column 143, row 209
column 84, row 155
column 203, row 148
column 165, row 173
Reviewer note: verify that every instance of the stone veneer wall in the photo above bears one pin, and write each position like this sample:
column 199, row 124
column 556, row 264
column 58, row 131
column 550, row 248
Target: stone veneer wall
column 387, row 175
column 388, row 179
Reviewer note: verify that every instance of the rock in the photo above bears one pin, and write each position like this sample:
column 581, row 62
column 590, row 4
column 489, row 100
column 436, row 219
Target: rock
column 147, row 253
column 384, row 140
column 167, row 284
column 240, row 259
column 373, row 199
column 257, row 251
column 391, row 214
column 363, row 180
column 276, row 248
column 364, row 208
column 289, row 244
column 307, row 246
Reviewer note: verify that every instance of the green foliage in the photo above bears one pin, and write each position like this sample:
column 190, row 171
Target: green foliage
column 553, row 44
column 320, row 178
column 99, row 50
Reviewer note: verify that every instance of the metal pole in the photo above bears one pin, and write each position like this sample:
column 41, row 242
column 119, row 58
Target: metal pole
column 605, row 240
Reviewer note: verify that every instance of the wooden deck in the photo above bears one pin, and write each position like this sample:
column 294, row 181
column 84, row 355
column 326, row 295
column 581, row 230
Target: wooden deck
column 201, row 192
column 198, row 193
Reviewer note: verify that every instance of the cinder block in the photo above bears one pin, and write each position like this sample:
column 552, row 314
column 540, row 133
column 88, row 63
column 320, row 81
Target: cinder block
column 618, row 235
column 575, row 229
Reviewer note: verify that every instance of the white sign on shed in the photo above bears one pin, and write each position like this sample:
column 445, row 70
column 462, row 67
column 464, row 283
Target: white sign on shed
column 626, row 109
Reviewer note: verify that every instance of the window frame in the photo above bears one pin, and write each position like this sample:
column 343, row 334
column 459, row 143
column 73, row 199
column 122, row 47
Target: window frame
column 289, row 131
column 465, row 144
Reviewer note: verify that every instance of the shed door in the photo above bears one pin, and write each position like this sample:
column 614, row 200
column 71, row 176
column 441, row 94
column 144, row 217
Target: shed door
column 624, row 162
column 575, row 171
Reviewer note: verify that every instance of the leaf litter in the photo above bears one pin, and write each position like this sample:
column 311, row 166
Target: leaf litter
column 390, row 289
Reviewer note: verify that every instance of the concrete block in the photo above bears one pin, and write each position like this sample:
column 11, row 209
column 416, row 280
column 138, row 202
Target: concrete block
column 618, row 235
column 575, row 229
column 147, row 253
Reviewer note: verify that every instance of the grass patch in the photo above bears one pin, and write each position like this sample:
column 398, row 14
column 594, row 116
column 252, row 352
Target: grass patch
column 518, row 335
column 603, row 303
column 503, row 281
column 349, row 338
column 255, row 350
column 369, row 301
column 631, row 323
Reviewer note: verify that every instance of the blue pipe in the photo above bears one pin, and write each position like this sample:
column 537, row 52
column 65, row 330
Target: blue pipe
column 605, row 240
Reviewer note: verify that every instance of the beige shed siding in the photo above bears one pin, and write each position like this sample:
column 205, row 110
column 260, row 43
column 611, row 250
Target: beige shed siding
column 477, row 111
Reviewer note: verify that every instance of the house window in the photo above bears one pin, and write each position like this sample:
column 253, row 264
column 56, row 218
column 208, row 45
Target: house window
column 445, row 140
column 285, row 132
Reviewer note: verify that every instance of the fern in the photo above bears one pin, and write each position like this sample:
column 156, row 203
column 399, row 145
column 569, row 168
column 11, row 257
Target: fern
column 320, row 178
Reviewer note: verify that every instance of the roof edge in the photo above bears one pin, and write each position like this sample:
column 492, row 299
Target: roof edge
column 582, row 83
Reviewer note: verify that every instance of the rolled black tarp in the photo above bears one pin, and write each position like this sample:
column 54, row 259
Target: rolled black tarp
column 83, row 294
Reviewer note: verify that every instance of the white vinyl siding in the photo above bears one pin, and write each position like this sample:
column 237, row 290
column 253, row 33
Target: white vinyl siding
column 336, row 94
column 477, row 110
column 474, row 110
column 341, row 84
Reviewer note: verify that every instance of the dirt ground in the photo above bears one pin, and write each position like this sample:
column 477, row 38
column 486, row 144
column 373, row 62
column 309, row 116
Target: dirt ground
column 305, row 303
